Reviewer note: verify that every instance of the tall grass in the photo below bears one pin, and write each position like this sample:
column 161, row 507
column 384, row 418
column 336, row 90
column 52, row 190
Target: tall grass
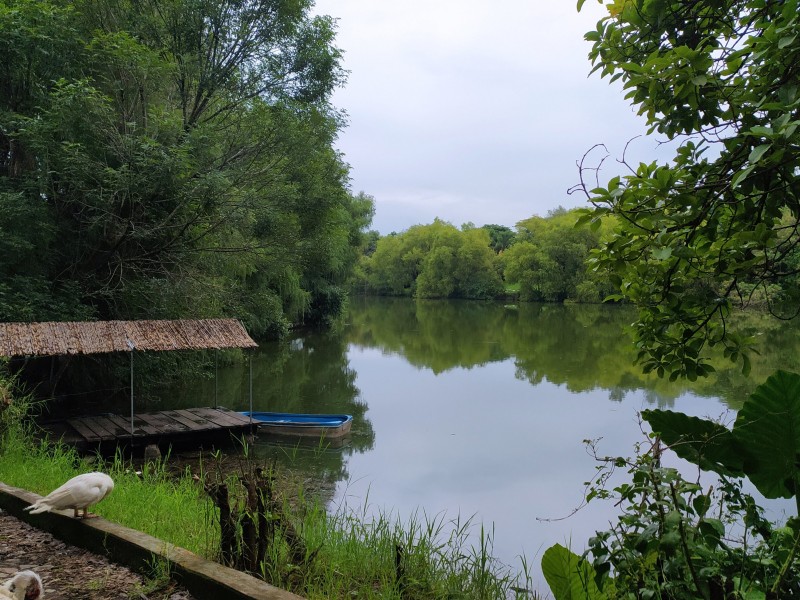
column 421, row 557
column 360, row 553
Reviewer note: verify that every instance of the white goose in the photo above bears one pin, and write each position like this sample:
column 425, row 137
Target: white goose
column 80, row 492
column 25, row 585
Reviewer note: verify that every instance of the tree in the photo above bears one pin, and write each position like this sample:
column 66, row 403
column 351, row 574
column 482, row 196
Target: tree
column 167, row 159
column 500, row 237
column 434, row 261
column 696, row 236
column 548, row 260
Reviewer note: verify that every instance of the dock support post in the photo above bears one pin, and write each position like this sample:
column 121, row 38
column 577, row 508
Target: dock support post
column 250, row 361
column 131, row 346
column 216, row 374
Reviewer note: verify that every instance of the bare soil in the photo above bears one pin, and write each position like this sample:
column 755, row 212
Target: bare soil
column 71, row 573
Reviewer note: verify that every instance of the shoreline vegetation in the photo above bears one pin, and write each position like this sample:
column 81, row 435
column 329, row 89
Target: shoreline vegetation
column 297, row 544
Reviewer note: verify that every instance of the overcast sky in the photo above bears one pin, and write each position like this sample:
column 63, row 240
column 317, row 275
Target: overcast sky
column 473, row 110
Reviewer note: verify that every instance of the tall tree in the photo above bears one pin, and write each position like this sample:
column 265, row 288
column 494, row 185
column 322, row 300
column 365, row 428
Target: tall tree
column 435, row 261
column 173, row 158
column 696, row 236
column 548, row 260
column 500, row 237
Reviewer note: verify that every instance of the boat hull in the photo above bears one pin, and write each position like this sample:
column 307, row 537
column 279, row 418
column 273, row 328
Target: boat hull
column 302, row 424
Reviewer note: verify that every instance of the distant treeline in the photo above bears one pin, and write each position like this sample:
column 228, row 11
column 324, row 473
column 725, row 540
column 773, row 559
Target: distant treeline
column 544, row 259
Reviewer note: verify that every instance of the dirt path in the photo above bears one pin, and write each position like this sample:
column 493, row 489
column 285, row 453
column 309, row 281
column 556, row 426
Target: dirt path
column 71, row 573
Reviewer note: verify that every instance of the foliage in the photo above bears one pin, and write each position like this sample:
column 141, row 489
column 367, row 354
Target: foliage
column 696, row 236
column 501, row 238
column 763, row 445
column 548, row 260
column 173, row 159
column 434, row 261
column 543, row 261
column 675, row 540
column 569, row 576
column 14, row 406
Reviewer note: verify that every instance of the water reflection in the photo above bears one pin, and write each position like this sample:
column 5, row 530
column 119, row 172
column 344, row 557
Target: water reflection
column 584, row 347
column 308, row 373
column 472, row 408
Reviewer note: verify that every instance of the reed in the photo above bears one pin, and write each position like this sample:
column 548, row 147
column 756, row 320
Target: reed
column 421, row 557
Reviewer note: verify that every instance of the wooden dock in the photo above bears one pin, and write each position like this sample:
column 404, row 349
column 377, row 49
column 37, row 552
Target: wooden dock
column 166, row 427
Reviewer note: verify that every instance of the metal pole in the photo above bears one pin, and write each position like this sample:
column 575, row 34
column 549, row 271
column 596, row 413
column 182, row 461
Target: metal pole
column 216, row 374
column 131, row 346
column 250, row 361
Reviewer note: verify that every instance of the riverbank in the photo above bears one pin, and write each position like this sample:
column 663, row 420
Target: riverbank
column 306, row 550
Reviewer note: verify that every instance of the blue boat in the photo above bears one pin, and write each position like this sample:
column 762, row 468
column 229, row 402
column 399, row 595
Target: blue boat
column 301, row 424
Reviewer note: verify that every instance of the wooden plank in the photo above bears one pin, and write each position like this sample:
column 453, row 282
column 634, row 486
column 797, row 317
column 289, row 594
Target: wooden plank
column 235, row 416
column 144, row 425
column 125, row 425
column 100, row 427
column 156, row 420
column 85, row 423
column 163, row 423
column 191, row 420
column 104, row 428
column 114, row 426
column 190, row 423
column 218, row 417
column 86, row 432
column 211, row 416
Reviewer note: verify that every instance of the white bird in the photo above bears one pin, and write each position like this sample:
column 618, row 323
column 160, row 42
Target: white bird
column 80, row 492
column 25, row 585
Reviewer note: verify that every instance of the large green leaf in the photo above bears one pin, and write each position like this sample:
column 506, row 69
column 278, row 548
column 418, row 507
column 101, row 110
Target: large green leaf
column 569, row 576
column 705, row 443
column 768, row 426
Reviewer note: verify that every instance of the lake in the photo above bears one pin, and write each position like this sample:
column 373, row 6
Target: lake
column 470, row 409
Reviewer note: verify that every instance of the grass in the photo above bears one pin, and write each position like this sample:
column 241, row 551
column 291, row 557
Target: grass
column 174, row 510
column 350, row 554
column 424, row 557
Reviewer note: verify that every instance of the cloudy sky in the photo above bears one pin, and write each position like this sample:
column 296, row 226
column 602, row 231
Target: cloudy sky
column 473, row 110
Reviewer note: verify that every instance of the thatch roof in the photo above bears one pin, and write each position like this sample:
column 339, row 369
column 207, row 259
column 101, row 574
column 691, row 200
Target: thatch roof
column 48, row 339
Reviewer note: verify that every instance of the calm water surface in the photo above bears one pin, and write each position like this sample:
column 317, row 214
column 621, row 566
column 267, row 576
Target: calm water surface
column 465, row 409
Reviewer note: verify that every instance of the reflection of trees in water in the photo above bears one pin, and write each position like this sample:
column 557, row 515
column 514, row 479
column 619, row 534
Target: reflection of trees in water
column 313, row 470
column 316, row 468
column 583, row 347
column 308, row 373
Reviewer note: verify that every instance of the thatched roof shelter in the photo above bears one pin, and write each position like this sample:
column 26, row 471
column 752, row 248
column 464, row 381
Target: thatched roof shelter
column 93, row 337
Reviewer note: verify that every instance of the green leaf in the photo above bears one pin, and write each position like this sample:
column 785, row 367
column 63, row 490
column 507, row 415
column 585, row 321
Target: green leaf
column 761, row 131
column 569, row 576
column 758, row 152
column 701, row 504
column 662, row 253
column 768, row 427
column 741, row 175
column 705, row 443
